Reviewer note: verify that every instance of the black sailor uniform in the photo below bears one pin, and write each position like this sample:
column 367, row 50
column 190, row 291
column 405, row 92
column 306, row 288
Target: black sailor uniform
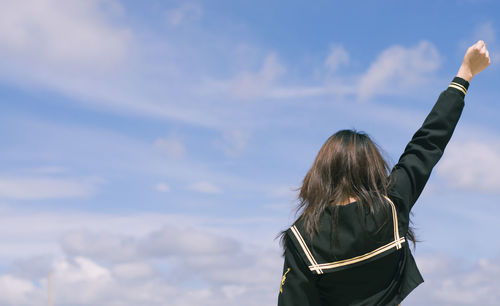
column 365, row 266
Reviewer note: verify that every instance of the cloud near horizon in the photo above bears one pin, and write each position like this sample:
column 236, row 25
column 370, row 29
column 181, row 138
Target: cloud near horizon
column 108, row 268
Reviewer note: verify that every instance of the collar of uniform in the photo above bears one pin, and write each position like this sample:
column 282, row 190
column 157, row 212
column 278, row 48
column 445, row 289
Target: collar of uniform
column 352, row 241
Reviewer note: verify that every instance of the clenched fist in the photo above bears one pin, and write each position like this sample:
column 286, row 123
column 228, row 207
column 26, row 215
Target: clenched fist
column 475, row 60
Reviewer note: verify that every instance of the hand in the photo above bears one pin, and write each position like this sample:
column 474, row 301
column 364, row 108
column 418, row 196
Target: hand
column 475, row 60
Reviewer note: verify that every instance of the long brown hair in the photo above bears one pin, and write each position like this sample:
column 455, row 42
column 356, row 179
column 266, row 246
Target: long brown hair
column 348, row 165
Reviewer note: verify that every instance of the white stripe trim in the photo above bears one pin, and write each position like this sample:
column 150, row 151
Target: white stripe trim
column 395, row 222
column 306, row 250
column 330, row 265
column 356, row 259
column 457, row 87
column 460, row 85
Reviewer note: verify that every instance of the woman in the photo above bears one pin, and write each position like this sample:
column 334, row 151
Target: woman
column 350, row 244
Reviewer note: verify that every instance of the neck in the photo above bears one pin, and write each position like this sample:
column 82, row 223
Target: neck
column 350, row 200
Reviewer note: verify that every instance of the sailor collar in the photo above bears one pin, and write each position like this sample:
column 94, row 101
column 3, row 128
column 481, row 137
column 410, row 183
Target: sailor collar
column 358, row 241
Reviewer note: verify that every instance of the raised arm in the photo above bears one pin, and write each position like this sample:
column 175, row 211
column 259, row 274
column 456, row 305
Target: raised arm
column 427, row 145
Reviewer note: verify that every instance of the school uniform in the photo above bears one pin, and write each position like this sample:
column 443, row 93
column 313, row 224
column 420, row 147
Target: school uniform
column 370, row 263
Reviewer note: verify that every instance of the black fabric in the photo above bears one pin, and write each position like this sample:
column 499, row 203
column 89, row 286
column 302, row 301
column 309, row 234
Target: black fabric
column 461, row 81
column 386, row 279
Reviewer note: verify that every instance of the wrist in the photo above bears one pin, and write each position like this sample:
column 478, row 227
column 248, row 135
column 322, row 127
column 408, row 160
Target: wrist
column 465, row 73
column 459, row 85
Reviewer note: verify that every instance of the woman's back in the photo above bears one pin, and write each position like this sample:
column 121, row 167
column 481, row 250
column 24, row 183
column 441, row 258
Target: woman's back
column 355, row 260
column 362, row 283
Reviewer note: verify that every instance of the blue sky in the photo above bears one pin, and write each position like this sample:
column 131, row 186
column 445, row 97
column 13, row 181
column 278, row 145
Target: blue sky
column 150, row 149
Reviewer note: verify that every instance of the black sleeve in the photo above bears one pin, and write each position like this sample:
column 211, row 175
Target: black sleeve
column 297, row 286
column 410, row 174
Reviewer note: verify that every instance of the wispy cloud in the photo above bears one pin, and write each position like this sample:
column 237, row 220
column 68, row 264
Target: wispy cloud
column 204, row 187
column 450, row 281
column 186, row 12
column 57, row 33
column 173, row 146
column 400, row 70
column 75, row 146
column 233, row 141
column 337, row 57
column 248, row 85
column 472, row 165
column 84, row 51
column 133, row 270
column 162, row 187
column 47, row 187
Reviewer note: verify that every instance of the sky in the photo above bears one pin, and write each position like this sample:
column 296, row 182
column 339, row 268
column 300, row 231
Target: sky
column 151, row 150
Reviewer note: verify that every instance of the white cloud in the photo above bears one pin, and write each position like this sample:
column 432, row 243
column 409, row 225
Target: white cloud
column 50, row 169
column 31, row 266
column 248, row 84
column 82, row 281
column 165, row 242
column 82, row 49
column 241, row 275
column 102, row 245
column 400, row 70
column 47, row 187
column 486, row 32
column 449, row 281
column 47, row 232
column 232, row 292
column 172, row 146
column 120, row 238
column 187, row 12
column 204, row 187
column 162, row 187
column 132, row 270
column 61, row 32
column 196, row 265
column 170, row 241
column 82, row 269
column 88, row 52
column 282, row 92
column 164, row 265
column 79, row 280
column 472, row 165
column 17, row 291
column 337, row 57
column 233, row 141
